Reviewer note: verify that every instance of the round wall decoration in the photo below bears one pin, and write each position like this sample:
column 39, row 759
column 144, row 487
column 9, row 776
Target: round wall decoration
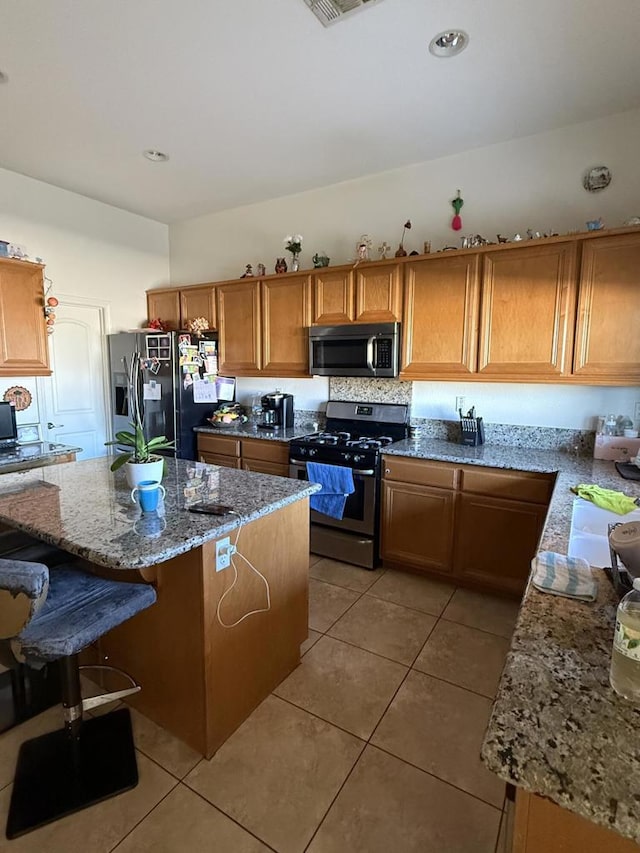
column 596, row 179
column 19, row 396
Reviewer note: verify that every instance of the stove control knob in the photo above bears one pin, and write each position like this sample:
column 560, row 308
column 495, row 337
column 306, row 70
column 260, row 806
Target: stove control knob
column 312, row 451
column 303, row 451
column 346, row 456
column 357, row 458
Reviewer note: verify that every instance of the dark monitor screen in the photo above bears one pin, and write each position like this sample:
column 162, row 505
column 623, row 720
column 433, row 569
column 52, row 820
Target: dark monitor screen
column 8, row 429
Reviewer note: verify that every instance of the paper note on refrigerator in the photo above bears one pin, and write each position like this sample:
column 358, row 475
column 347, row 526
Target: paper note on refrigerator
column 225, row 387
column 152, row 391
column 204, row 392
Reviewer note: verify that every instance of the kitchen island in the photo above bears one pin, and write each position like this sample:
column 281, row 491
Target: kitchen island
column 203, row 662
column 36, row 455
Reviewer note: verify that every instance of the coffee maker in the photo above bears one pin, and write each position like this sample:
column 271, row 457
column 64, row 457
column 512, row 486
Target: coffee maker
column 277, row 411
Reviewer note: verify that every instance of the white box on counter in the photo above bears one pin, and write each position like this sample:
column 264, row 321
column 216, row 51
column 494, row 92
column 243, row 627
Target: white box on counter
column 616, row 447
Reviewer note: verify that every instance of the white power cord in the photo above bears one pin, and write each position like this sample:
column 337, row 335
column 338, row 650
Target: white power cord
column 234, row 551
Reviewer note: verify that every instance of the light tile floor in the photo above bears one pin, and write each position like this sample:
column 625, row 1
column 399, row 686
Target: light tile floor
column 370, row 745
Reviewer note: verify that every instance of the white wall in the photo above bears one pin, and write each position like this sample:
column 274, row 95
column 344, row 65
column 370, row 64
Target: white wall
column 534, row 182
column 91, row 250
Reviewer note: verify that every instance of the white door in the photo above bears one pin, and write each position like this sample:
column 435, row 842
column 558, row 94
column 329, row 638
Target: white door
column 74, row 396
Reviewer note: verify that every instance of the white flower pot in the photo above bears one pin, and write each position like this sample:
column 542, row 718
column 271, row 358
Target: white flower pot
column 138, row 472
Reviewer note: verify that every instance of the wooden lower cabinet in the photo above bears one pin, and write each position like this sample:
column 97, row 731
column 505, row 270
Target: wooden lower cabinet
column 475, row 525
column 417, row 526
column 541, row 826
column 262, row 456
column 496, row 540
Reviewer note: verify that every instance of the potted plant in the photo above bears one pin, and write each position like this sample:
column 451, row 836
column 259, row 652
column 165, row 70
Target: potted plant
column 140, row 459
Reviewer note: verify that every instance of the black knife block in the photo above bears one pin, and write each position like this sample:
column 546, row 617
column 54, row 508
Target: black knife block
column 471, row 432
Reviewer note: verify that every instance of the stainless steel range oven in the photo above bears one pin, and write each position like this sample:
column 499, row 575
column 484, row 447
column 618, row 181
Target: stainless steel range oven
column 354, row 437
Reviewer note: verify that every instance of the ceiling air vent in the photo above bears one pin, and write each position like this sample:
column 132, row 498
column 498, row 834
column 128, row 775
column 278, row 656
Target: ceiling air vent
column 330, row 11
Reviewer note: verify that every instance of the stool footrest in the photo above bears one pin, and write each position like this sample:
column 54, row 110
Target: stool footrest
column 57, row 775
column 104, row 698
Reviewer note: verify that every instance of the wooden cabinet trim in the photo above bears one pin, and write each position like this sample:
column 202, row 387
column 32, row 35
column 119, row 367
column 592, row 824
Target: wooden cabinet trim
column 528, row 486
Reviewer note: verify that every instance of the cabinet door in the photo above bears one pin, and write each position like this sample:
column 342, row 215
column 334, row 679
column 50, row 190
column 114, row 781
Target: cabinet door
column 527, row 317
column 286, row 318
column 333, row 297
column 608, row 333
column 259, row 466
column 496, row 539
column 198, row 302
column 417, row 526
column 440, row 329
column 164, row 305
column 239, row 328
column 378, row 293
column 219, row 459
column 24, row 350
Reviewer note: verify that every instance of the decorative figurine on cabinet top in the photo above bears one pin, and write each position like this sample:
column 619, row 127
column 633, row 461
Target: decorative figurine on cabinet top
column 457, row 204
column 401, row 252
column 320, row 260
column 262, row 270
column 383, row 248
column 248, row 273
column 281, row 265
column 595, row 224
column 363, row 248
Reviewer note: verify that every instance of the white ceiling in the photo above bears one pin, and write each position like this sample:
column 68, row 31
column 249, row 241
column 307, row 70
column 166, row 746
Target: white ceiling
column 255, row 99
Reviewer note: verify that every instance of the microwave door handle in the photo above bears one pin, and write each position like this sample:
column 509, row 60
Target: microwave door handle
column 371, row 351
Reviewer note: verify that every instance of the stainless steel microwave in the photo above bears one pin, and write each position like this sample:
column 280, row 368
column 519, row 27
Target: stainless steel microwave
column 355, row 350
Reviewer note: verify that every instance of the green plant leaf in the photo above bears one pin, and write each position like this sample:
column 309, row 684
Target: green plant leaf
column 119, row 461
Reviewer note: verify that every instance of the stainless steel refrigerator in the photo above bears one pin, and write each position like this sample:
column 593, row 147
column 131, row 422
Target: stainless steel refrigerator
column 180, row 384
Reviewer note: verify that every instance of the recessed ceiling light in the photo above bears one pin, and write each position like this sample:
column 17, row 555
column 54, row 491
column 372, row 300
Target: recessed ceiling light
column 448, row 43
column 155, row 156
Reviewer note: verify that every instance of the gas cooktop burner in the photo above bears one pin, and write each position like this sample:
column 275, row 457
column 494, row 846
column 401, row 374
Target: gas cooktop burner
column 346, row 439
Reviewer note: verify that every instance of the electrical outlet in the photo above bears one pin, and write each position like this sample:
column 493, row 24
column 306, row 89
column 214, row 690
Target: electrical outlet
column 636, row 414
column 223, row 554
column 460, row 403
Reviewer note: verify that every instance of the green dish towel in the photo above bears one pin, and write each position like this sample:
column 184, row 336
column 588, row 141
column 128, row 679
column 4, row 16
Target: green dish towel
column 606, row 498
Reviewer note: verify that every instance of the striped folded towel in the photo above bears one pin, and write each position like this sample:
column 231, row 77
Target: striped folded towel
column 560, row 575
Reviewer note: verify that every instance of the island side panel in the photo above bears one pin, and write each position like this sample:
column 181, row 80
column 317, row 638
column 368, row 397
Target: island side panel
column 246, row 662
column 163, row 648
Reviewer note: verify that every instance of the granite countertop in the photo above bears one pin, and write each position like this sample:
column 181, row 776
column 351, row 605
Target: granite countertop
column 250, row 431
column 557, row 728
column 33, row 453
column 87, row 510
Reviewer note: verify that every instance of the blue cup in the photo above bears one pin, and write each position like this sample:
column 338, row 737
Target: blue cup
column 148, row 495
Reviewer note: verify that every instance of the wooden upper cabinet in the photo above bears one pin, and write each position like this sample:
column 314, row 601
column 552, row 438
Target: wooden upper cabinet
column 333, row 297
column 440, row 324
column 239, row 329
column 378, row 293
column 198, row 302
column 608, row 327
column 286, row 315
column 24, row 350
column 164, row 305
column 527, row 317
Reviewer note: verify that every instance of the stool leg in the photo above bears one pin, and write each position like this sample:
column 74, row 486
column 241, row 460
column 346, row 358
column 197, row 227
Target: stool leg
column 71, row 695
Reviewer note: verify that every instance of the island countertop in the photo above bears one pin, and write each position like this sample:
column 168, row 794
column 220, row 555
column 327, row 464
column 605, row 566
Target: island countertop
column 84, row 508
column 557, row 728
column 32, row 455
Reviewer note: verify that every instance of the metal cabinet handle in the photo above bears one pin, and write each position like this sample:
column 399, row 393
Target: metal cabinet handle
column 51, row 425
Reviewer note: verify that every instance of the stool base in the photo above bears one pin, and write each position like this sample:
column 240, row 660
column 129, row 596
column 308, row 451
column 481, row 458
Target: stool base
column 56, row 776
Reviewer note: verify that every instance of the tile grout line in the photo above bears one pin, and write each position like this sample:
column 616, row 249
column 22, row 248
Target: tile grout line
column 145, row 816
column 230, row 817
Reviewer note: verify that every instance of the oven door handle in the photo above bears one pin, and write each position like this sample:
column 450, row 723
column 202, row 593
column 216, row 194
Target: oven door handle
column 366, row 472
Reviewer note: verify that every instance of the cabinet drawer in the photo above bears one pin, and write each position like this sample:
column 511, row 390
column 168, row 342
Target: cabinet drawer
column 268, row 451
column 423, row 472
column 226, row 445
column 219, row 459
column 515, row 485
column 259, row 466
